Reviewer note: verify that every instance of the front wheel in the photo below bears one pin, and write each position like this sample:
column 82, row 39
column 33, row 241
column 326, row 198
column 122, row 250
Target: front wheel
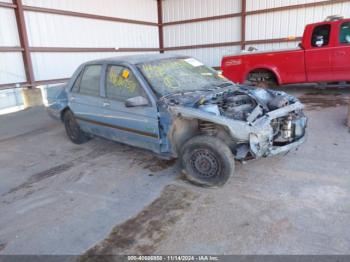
column 207, row 161
column 75, row 134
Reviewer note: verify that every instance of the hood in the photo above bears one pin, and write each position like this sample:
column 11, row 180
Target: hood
column 235, row 102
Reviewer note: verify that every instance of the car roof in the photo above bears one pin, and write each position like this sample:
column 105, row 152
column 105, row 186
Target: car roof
column 338, row 21
column 136, row 59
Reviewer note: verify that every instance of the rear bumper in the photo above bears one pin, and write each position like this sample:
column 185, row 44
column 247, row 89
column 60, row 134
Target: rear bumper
column 54, row 113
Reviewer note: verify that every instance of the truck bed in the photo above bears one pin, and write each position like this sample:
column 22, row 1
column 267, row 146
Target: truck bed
column 290, row 69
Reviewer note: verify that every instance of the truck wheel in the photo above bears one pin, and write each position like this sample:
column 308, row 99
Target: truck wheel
column 266, row 84
column 75, row 134
column 262, row 78
column 207, row 161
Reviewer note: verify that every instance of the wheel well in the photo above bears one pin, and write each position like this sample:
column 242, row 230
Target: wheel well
column 262, row 74
column 63, row 112
column 184, row 129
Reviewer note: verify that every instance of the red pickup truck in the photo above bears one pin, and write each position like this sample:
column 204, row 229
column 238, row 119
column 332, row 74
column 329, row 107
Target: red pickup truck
column 322, row 56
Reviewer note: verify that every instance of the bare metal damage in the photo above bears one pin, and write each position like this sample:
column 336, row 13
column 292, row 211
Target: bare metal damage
column 253, row 136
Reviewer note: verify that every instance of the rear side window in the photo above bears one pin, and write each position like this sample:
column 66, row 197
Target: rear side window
column 321, row 35
column 345, row 33
column 90, row 81
column 75, row 88
column 122, row 84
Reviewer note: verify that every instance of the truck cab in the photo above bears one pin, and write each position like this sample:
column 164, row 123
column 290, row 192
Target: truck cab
column 322, row 56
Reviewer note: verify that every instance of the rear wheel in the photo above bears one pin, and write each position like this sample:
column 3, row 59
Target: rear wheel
column 207, row 161
column 262, row 78
column 75, row 134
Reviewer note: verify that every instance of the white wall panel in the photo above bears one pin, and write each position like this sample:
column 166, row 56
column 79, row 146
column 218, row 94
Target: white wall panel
column 209, row 56
column 264, row 4
column 145, row 10
column 65, row 31
column 8, row 28
column 290, row 22
column 50, row 30
column 62, row 65
column 11, row 68
column 174, row 10
column 223, row 30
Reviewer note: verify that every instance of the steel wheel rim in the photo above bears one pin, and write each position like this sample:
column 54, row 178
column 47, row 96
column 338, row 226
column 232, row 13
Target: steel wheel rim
column 204, row 163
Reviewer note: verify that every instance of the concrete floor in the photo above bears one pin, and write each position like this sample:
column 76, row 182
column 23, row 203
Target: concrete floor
column 60, row 198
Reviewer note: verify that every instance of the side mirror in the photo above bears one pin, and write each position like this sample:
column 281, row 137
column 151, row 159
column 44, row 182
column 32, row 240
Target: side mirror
column 136, row 101
column 301, row 45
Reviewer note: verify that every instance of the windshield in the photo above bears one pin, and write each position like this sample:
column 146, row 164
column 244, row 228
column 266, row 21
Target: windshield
column 176, row 75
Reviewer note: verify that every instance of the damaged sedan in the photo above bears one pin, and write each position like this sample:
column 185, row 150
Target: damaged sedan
column 177, row 107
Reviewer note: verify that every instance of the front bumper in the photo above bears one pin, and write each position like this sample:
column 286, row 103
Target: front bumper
column 263, row 144
column 265, row 147
column 276, row 150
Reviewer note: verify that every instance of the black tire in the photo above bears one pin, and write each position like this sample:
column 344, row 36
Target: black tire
column 266, row 84
column 269, row 81
column 207, row 161
column 75, row 134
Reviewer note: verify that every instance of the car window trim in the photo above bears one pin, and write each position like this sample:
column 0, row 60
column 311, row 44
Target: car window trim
column 329, row 36
column 77, row 79
column 137, row 79
column 81, row 77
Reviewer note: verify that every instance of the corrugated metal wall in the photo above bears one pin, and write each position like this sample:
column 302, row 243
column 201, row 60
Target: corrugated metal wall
column 50, row 30
column 55, row 30
column 175, row 10
column 286, row 23
column 206, row 32
column 11, row 63
column 269, row 25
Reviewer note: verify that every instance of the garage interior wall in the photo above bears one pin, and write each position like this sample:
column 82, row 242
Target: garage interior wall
column 60, row 41
column 63, row 34
column 210, row 29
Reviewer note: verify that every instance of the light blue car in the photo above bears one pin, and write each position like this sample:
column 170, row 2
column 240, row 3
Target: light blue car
column 178, row 108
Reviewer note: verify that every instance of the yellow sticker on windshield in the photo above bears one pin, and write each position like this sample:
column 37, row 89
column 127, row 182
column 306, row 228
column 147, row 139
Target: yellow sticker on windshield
column 125, row 74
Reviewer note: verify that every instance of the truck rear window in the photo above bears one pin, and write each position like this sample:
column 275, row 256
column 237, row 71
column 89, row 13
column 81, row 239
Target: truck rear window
column 345, row 33
column 320, row 35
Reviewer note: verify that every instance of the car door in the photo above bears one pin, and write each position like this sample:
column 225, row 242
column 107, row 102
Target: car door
column 341, row 53
column 85, row 99
column 135, row 125
column 318, row 55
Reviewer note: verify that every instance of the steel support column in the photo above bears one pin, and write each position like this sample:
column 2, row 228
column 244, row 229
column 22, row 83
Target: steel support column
column 160, row 25
column 23, row 36
column 243, row 23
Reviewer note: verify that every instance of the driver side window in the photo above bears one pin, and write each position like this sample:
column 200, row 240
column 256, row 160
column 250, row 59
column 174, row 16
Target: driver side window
column 321, row 36
column 121, row 84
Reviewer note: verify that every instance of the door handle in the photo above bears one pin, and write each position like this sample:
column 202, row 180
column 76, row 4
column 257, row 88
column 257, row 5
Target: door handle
column 72, row 98
column 106, row 104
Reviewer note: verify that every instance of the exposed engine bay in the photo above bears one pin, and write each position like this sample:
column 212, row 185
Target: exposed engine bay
column 249, row 105
column 243, row 103
column 246, row 104
column 237, row 105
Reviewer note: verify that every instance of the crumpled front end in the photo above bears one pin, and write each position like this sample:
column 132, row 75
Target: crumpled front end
column 279, row 131
column 256, row 122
